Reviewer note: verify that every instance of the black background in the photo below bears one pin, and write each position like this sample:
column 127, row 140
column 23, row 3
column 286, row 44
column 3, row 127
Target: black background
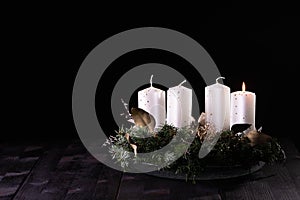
column 44, row 50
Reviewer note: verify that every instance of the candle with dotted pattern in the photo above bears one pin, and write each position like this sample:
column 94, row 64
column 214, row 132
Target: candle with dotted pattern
column 243, row 107
column 179, row 106
column 217, row 106
column 153, row 100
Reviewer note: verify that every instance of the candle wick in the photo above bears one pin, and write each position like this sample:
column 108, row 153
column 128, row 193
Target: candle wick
column 217, row 79
column 182, row 83
column 151, row 80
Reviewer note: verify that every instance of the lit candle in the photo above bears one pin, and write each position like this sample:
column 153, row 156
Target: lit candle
column 243, row 107
column 179, row 106
column 153, row 100
column 217, row 106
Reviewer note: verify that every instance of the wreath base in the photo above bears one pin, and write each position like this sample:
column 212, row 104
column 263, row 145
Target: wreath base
column 212, row 173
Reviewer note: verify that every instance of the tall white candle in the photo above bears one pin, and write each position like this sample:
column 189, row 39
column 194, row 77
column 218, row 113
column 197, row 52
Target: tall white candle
column 153, row 101
column 243, row 108
column 179, row 106
column 217, row 106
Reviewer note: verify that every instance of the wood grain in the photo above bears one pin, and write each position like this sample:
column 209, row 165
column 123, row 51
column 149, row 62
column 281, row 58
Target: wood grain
column 272, row 182
column 67, row 171
column 16, row 162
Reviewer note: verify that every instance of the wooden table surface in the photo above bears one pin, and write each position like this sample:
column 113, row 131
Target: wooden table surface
column 67, row 171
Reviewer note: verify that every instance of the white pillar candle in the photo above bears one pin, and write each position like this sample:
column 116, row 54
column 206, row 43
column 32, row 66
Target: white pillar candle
column 243, row 108
column 179, row 106
column 217, row 106
column 153, row 101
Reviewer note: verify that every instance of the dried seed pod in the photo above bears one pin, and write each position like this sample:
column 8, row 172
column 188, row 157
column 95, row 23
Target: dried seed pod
column 257, row 138
column 202, row 119
column 142, row 118
column 202, row 131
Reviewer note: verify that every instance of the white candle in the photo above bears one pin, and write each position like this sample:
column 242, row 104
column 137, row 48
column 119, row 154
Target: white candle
column 153, row 101
column 217, row 106
column 179, row 106
column 243, row 108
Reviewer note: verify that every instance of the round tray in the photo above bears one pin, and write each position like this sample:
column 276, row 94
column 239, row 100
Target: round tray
column 212, row 173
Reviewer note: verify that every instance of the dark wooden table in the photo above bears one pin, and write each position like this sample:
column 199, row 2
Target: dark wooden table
column 67, row 171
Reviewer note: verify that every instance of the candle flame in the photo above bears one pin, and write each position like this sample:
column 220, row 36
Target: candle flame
column 243, row 87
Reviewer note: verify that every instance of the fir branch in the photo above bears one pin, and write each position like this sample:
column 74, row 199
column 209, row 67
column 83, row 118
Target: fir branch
column 230, row 150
